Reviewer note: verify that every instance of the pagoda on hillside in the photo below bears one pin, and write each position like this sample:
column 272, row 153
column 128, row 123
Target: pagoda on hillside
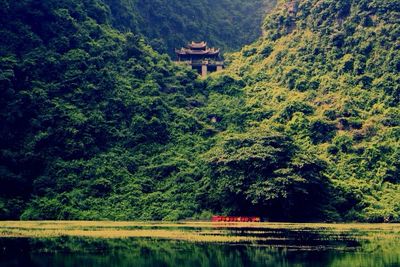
column 200, row 57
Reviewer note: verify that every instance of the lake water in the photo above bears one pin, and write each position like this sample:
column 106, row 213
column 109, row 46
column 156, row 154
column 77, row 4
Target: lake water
column 271, row 247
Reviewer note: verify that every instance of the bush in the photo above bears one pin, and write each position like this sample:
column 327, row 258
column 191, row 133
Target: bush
column 322, row 131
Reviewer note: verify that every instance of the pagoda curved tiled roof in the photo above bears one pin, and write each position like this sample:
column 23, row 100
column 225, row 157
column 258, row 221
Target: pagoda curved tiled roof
column 198, row 45
column 187, row 51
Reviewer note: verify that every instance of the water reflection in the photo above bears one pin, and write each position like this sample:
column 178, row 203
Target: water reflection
column 283, row 248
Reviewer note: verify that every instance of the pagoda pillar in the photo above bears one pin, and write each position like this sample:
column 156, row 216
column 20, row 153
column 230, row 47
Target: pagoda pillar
column 204, row 70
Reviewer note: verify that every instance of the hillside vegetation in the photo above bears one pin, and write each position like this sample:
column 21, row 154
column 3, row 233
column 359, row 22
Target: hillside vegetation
column 226, row 24
column 325, row 76
column 170, row 24
column 303, row 125
column 87, row 115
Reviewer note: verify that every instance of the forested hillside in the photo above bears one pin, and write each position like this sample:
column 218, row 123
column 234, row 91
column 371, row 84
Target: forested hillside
column 325, row 80
column 85, row 111
column 303, row 125
column 227, row 24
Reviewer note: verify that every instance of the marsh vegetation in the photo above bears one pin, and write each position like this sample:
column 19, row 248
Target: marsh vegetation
column 68, row 243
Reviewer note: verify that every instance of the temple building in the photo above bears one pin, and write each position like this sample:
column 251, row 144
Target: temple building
column 200, row 57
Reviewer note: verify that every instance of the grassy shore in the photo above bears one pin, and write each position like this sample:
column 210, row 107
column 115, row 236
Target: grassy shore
column 188, row 231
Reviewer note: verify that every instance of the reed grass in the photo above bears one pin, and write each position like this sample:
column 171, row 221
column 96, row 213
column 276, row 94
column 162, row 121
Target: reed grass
column 188, row 231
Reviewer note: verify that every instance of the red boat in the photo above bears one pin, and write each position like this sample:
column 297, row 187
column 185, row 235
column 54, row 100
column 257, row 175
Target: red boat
column 235, row 219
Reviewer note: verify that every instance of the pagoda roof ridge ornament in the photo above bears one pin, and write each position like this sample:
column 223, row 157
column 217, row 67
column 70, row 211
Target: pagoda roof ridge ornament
column 194, row 44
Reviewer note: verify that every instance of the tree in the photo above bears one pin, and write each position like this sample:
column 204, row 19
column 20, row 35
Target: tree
column 262, row 172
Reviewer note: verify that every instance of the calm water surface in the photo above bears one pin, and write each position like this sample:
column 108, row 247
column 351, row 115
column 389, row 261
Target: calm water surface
column 301, row 247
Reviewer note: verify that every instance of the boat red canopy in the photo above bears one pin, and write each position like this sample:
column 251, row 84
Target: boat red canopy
column 217, row 218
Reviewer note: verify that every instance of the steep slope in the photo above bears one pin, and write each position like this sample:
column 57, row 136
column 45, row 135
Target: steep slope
column 85, row 111
column 325, row 76
column 227, row 24
column 303, row 125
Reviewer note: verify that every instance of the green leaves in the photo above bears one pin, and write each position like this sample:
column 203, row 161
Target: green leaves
column 303, row 124
column 263, row 172
column 85, row 108
column 227, row 24
column 329, row 82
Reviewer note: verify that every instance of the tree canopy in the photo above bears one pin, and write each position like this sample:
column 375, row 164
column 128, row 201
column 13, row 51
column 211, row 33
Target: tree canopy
column 302, row 125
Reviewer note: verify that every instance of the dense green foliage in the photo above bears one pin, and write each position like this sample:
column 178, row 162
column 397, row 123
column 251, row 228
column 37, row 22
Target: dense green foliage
column 170, row 24
column 227, row 24
column 262, row 170
column 326, row 75
column 303, row 125
column 85, row 111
